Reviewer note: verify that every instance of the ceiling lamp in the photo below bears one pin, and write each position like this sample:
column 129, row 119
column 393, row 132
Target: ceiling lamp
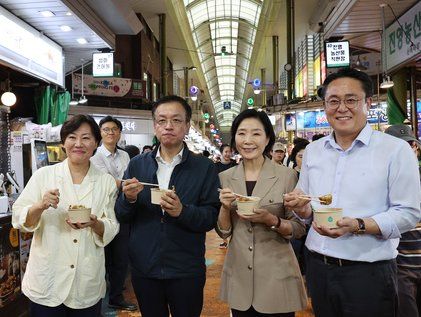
column 256, row 83
column 386, row 83
column 194, row 91
column 8, row 98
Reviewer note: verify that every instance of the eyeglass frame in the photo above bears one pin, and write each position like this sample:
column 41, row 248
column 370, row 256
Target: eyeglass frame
column 175, row 122
column 344, row 101
column 109, row 130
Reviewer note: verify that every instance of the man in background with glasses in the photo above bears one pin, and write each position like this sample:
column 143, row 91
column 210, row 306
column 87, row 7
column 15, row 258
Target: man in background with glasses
column 167, row 241
column 114, row 161
column 351, row 269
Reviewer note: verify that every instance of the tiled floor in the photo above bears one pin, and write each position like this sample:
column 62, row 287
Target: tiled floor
column 213, row 307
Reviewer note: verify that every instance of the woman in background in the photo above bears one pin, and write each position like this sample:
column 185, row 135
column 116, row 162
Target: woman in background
column 65, row 274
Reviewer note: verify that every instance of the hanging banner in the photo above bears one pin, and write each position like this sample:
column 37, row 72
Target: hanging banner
column 403, row 39
column 109, row 87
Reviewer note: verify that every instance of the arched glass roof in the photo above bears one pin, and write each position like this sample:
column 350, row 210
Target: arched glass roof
column 229, row 23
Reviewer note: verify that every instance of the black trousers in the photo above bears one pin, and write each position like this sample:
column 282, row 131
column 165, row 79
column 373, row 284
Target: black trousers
column 38, row 310
column 181, row 297
column 251, row 312
column 409, row 290
column 357, row 289
column 116, row 263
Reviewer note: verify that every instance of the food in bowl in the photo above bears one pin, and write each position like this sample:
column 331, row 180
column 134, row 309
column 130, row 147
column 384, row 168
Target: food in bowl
column 79, row 213
column 246, row 205
column 326, row 199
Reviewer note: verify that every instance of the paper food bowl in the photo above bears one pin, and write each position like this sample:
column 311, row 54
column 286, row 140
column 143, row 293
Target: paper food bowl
column 327, row 217
column 156, row 194
column 246, row 205
column 79, row 214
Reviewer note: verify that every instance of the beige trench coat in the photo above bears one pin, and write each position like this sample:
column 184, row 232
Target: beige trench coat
column 260, row 268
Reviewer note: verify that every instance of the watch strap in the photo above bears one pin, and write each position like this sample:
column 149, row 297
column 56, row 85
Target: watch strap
column 361, row 226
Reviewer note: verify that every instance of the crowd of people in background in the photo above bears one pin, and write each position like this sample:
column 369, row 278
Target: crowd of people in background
column 350, row 270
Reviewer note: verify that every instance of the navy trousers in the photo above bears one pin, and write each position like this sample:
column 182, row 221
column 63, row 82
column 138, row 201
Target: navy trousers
column 38, row 310
column 116, row 263
column 157, row 298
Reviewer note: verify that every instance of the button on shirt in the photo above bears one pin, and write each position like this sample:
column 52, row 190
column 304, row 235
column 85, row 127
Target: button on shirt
column 376, row 177
column 111, row 163
column 165, row 169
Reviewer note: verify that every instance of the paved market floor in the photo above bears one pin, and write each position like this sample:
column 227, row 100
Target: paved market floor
column 213, row 307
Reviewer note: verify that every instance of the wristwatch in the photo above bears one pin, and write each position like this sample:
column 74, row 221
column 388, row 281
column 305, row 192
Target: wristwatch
column 361, row 226
column 276, row 227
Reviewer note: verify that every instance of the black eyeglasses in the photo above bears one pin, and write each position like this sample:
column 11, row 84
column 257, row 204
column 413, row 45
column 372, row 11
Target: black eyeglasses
column 334, row 103
column 109, row 130
column 173, row 122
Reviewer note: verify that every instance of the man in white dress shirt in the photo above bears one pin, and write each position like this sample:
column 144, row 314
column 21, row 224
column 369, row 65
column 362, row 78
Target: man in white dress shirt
column 114, row 161
column 351, row 270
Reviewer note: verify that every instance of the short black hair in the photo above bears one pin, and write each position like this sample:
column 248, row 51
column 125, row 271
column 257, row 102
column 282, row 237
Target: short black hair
column 132, row 150
column 206, row 153
column 173, row 98
column 75, row 122
column 297, row 148
column 111, row 119
column 362, row 77
column 263, row 118
column 150, row 147
column 222, row 147
column 317, row 136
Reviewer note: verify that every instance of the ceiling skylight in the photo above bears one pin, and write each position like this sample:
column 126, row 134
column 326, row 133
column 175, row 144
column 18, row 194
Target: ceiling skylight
column 224, row 32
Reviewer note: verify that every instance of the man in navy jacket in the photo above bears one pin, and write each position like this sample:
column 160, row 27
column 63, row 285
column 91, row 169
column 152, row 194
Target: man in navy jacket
column 167, row 241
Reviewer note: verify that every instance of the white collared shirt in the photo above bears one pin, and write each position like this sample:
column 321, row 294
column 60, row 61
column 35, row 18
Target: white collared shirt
column 165, row 169
column 376, row 177
column 112, row 163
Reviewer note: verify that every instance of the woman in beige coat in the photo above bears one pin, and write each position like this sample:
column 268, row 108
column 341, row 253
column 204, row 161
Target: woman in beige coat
column 261, row 276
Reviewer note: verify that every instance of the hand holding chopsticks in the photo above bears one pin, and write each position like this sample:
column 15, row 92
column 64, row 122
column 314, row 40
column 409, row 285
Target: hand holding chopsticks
column 323, row 200
column 238, row 195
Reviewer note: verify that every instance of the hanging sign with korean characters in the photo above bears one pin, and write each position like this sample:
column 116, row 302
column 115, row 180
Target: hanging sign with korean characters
column 337, row 54
column 403, row 39
column 103, row 64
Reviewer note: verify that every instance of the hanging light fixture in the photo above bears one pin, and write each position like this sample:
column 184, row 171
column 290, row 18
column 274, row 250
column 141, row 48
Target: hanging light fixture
column 82, row 99
column 73, row 101
column 387, row 82
column 8, row 98
column 193, row 93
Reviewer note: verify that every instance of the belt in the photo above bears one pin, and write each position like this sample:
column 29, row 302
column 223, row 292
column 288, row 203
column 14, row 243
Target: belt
column 335, row 261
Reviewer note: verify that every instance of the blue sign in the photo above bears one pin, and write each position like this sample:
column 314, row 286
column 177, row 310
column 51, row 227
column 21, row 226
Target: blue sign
column 300, row 120
column 309, row 119
column 290, row 122
column 373, row 116
column 227, row 104
column 321, row 120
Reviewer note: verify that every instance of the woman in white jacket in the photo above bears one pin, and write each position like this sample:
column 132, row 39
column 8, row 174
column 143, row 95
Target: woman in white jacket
column 65, row 274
